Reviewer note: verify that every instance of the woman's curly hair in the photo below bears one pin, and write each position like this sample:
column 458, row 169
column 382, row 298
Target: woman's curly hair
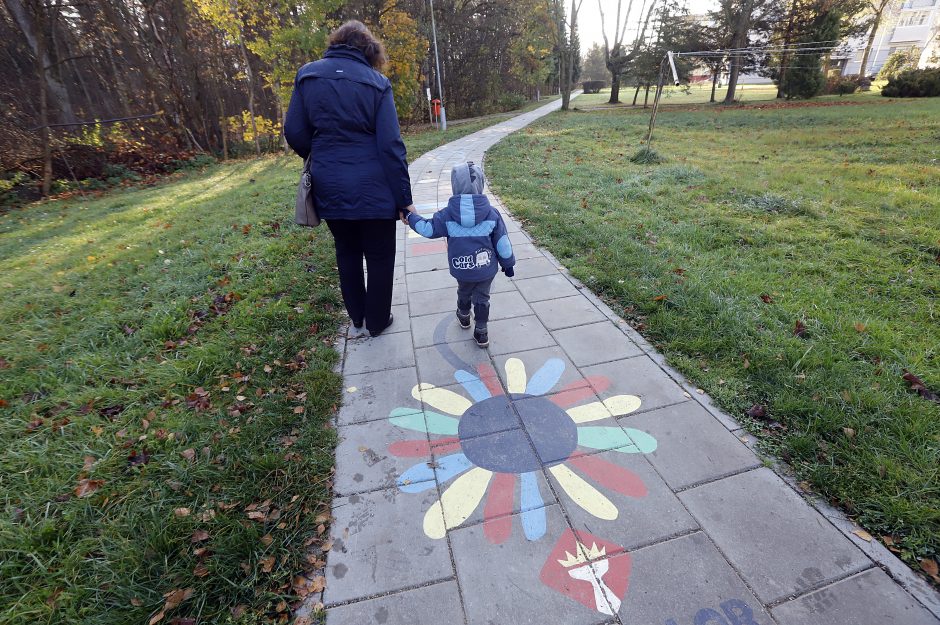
column 357, row 35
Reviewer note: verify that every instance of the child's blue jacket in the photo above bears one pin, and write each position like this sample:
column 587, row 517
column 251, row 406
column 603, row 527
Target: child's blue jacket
column 476, row 237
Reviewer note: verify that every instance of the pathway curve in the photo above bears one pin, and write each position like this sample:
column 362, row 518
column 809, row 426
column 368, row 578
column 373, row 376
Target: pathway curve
column 566, row 475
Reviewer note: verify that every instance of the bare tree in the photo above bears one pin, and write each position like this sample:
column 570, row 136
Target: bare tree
column 877, row 8
column 616, row 57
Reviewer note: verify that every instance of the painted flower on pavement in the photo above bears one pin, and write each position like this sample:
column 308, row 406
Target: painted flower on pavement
column 483, row 453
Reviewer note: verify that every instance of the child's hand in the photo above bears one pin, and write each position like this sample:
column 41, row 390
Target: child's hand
column 509, row 271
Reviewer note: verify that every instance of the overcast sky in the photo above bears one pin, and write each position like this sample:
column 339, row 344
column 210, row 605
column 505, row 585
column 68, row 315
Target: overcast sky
column 589, row 19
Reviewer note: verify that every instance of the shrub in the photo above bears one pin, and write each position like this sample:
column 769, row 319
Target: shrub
column 593, row 86
column 918, row 83
column 840, row 85
column 899, row 62
column 511, row 102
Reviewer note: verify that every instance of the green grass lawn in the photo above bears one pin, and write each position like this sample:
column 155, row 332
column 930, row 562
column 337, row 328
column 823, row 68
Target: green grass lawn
column 758, row 220
column 166, row 386
column 700, row 94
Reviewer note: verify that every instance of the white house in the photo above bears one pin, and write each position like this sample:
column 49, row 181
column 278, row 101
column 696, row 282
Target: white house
column 907, row 25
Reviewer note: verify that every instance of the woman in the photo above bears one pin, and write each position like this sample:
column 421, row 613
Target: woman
column 342, row 112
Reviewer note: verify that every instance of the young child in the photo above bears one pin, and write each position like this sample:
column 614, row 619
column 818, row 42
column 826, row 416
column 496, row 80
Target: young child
column 476, row 242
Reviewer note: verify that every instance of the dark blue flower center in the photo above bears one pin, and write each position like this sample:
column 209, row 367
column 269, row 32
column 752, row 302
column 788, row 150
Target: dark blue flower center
column 493, row 437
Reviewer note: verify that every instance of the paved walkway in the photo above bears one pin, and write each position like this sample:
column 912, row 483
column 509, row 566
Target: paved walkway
column 565, row 475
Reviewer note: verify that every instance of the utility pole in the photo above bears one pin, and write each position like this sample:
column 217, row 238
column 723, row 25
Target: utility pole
column 437, row 62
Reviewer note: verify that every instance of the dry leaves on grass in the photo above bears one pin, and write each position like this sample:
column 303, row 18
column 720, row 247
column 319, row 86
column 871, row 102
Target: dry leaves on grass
column 799, row 329
column 930, row 567
column 87, row 487
column 918, row 386
column 173, row 599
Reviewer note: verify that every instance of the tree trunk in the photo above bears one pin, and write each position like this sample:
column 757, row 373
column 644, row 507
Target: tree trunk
column 636, row 94
column 784, row 58
column 38, row 34
column 35, row 37
column 740, row 37
column 715, row 74
column 862, row 70
column 614, row 88
column 646, row 98
column 568, row 59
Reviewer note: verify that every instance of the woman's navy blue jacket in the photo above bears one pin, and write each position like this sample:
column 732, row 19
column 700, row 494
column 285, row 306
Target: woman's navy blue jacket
column 343, row 114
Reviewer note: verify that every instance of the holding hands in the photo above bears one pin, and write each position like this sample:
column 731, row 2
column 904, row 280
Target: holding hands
column 404, row 212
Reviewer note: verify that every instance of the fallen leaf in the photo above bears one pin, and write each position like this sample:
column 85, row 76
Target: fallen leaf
column 918, row 386
column 181, row 512
column 860, row 327
column 199, row 536
column 849, row 432
column 757, row 411
column 89, row 462
column 138, row 458
column 200, row 570
column 863, row 535
column 156, row 618
column 929, row 565
column 136, row 602
column 267, row 539
column 317, row 584
column 799, row 329
column 267, row 564
column 298, row 409
column 189, row 454
column 86, row 487
column 766, row 298
column 176, row 597
column 660, row 298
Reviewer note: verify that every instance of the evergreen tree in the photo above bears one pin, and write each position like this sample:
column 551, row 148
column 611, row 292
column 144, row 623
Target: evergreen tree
column 804, row 77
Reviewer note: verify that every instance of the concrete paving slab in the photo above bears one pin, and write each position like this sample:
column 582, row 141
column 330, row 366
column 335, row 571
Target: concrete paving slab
column 778, row 543
column 507, row 305
column 545, row 287
column 370, row 397
column 870, row 598
column 430, row 302
column 518, row 334
column 430, row 280
column 437, row 364
column 386, row 351
column 534, row 267
column 519, row 238
column 636, row 376
column 686, row 581
column 692, row 447
column 515, row 482
column 431, row 262
column 595, row 343
column 628, row 503
column 567, row 312
column 556, row 434
column 526, row 250
column 564, row 373
column 366, row 456
column 502, row 586
column 379, row 545
column 439, row 328
column 430, row 605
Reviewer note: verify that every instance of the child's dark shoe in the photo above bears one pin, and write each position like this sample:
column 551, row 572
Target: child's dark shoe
column 482, row 337
column 464, row 319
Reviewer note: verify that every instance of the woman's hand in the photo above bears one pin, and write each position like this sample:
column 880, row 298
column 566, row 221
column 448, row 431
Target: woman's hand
column 405, row 211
